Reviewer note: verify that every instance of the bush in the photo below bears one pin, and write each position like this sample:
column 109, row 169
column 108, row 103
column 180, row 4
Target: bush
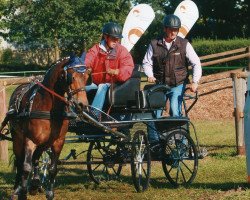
column 206, row 47
column 7, row 56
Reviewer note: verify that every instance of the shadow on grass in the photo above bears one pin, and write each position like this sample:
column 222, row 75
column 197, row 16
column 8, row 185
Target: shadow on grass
column 72, row 177
column 163, row 183
column 75, row 176
column 215, row 147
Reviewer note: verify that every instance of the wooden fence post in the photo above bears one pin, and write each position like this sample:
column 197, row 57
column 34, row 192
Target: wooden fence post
column 239, row 90
column 3, row 144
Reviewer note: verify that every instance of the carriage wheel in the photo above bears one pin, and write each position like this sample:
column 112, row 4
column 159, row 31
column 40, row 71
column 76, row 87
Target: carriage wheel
column 140, row 161
column 44, row 163
column 41, row 183
column 103, row 161
column 180, row 158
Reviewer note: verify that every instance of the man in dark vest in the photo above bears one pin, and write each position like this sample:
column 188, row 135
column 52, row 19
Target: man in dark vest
column 166, row 61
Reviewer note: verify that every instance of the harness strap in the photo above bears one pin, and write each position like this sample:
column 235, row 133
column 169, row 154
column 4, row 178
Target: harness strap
column 36, row 114
column 4, row 137
column 72, row 93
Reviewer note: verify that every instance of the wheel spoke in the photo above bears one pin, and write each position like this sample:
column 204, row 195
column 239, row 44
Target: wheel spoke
column 140, row 169
column 183, row 176
column 187, row 167
column 102, row 161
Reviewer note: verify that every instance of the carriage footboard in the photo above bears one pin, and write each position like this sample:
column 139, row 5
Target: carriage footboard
column 98, row 124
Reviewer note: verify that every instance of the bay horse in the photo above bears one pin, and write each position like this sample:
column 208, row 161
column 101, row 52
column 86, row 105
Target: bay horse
column 37, row 120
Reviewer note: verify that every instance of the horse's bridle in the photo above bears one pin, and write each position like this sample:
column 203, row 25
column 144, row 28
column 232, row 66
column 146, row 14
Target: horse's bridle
column 78, row 69
column 70, row 93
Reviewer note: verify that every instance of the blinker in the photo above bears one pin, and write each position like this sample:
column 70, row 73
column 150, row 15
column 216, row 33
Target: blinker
column 80, row 69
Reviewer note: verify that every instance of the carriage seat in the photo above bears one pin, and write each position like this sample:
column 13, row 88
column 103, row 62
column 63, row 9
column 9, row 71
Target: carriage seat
column 152, row 97
column 121, row 95
column 124, row 94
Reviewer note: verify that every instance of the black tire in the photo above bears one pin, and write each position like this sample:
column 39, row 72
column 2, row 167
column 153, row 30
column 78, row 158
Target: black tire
column 102, row 162
column 140, row 161
column 180, row 158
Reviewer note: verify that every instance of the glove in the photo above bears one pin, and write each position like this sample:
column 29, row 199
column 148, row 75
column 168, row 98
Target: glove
column 113, row 71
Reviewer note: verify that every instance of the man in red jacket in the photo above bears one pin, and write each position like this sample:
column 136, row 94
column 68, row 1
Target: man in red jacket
column 110, row 62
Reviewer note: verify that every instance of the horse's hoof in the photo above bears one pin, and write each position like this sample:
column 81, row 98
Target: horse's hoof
column 34, row 186
column 40, row 189
column 13, row 197
column 33, row 191
column 49, row 195
column 22, row 197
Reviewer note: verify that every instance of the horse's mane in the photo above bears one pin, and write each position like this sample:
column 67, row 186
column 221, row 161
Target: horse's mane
column 54, row 71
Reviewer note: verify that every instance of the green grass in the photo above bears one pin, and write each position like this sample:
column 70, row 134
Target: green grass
column 221, row 175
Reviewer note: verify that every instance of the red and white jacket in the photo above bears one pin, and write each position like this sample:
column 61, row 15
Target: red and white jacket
column 100, row 61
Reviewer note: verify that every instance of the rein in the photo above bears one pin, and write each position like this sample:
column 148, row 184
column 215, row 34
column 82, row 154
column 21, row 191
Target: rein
column 53, row 93
column 98, row 73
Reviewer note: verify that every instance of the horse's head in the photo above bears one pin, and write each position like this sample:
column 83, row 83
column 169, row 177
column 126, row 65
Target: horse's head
column 77, row 78
column 63, row 77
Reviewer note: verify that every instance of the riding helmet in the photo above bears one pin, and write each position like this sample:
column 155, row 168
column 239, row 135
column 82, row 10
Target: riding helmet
column 172, row 21
column 112, row 29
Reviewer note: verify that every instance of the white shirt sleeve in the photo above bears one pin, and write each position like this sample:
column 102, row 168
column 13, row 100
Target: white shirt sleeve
column 195, row 62
column 147, row 63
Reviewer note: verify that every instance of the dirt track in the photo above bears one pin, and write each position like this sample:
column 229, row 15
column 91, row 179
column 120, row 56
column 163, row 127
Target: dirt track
column 215, row 99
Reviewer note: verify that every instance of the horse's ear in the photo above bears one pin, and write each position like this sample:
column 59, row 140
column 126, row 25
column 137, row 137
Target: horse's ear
column 67, row 77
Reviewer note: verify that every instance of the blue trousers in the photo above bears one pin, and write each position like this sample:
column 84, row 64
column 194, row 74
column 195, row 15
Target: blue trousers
column 99, row 98
column 175, row 97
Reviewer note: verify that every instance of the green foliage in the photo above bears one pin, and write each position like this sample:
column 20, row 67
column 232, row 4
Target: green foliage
column 7, row 56
column 207, row 46
column 17, row 67
column 59, row 24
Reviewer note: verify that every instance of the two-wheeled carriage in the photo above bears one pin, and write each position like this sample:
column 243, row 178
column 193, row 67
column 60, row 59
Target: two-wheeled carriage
column 120, row 137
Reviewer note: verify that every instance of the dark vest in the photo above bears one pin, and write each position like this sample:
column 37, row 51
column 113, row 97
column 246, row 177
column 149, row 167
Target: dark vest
column 170, row 66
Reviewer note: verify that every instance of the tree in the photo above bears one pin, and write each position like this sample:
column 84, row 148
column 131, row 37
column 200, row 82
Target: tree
column 60, row 25
column 223, row 19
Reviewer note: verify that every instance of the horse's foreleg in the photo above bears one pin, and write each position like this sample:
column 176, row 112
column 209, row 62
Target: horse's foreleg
column 18, row 150
column 19, row 170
